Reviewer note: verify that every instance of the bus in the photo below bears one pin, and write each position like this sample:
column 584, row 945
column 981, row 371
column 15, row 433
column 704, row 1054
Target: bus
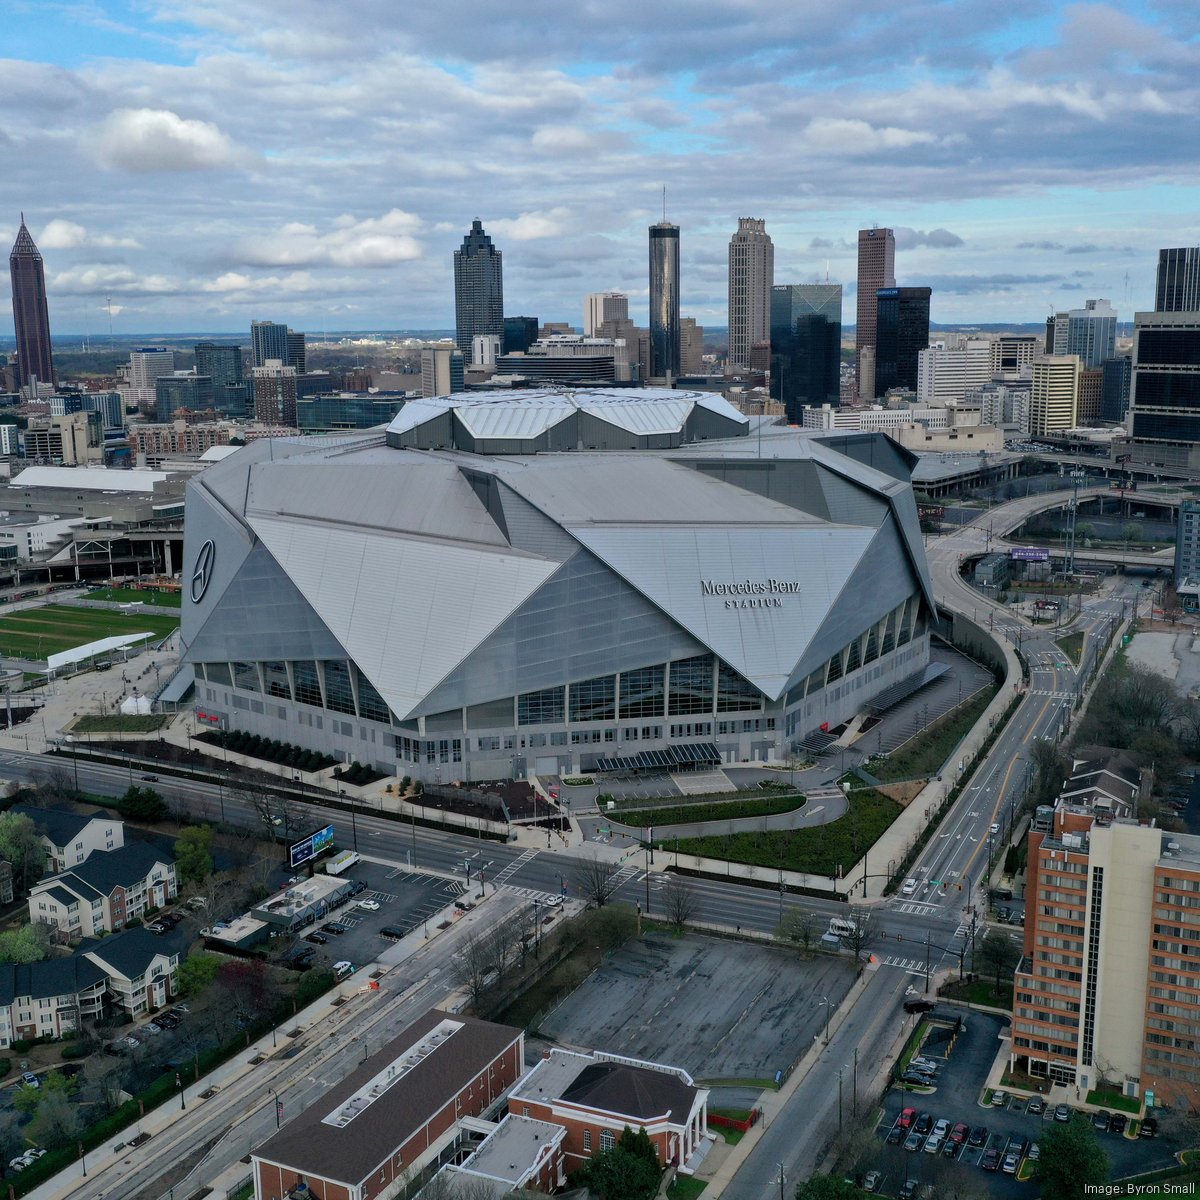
column 841, row 927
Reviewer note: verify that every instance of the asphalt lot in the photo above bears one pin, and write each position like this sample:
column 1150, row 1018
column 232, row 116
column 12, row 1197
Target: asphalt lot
column 719, row 1008
column 964, row 1061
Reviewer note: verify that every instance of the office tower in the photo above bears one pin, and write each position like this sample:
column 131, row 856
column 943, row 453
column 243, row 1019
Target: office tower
column 268, row 340
column 485, row 349
column 1090, row 332
column 519, row 333
column 297, row 352
column 145, row 366
column 1177, row 286
column 664, row 300
column 224, row 366
column 751, row 277
column 478, row 289
column 62, row 406
column 599, row 307
column 1164, row 396
column 1187, row 543
column 876, row 269
column 31, row 314
column 944, row 375
column 1013, row 353
column 275, row 393
column 10, row 441
column 637, row 345
column 901, row 333
column 109, row 405
column 568, row 358
column 1114, row 390
column 691, row 347
column 806, row 339
column 442, row 371
column 1091, row 391
column 1054, row 395
column 181, row 390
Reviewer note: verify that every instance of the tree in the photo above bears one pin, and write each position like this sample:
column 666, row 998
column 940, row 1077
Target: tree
column 143, row 804
column 860, row 935
column 798, row 928
column 12, row 1141
column 1072, row 1164
column 997, row 955
column 1131, row 532
column 21, row 845
column 57, row 1120
column 28, row 944
column 827, row 1187
column 471, row 967
column 196, row 973
column 1050, row 769
column 679, row 902
column 626, row 1172
column 243, row 985
column 596, row 879
column 193, row 860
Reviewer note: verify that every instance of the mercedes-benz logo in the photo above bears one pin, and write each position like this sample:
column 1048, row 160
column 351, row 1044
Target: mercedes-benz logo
column 202, row 573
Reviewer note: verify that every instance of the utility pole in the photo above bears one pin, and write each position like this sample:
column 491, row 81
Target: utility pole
column 782, row 1180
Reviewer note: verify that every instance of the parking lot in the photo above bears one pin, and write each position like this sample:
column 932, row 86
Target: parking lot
column 721, row 1009
column 992, row 1133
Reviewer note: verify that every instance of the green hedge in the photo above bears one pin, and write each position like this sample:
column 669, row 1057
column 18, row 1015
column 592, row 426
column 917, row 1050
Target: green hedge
column 712, row 811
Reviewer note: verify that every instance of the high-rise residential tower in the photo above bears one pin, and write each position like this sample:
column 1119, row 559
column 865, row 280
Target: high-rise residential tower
column 1054, row 397
column 31, row 315
column 876, row 269
column 901, row 333
column 751, row 277
column 599, row 307
column 1090, row 332
column 806, row 339
column 664, row 300
column 1177, row 287
column 478, row 289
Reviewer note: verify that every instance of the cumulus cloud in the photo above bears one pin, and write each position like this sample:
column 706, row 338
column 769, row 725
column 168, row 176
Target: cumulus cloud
column 117, row 279
column 530, row 226
column 855, row 137
column 375, row 242
column 939, row 239
column 61, row 234
column 154, row 139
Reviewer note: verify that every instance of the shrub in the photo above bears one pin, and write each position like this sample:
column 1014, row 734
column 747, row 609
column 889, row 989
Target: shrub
column 72, row 1050
column 312, row 985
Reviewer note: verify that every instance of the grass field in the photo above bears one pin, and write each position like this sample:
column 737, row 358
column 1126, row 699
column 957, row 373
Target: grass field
column 1071, row 645
column 134, row 595
column 924, row 754
column 36, row 632
column 713, row 811
column 120, row 723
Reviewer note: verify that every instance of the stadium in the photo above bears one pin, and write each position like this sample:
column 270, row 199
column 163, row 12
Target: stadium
column 553, row 582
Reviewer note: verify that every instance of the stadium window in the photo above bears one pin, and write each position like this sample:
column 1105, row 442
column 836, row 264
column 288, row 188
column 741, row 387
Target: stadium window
column 545, row 707
column 642, row 692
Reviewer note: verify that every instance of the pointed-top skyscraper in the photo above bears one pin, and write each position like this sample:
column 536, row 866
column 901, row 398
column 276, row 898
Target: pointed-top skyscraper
column 31, row 316
column 478, row 289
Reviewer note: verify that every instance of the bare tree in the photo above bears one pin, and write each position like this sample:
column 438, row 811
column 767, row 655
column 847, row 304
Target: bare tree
column 596, row 879
column 997, row 956
column 471, row 968
column 798, row 928
column 859, row 936
column 679, row 903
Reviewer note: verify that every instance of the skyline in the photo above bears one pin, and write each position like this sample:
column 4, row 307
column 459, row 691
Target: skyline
column 182, row 160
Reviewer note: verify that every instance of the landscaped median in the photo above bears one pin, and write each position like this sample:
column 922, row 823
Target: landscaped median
column 712, row 810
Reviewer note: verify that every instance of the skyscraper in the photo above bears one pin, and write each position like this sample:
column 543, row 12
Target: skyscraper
column 1165, row 392
column 751, row 276
column 901, row 333
column 691, row 347
column 478, row 289
column 806, row 339
column 1054, row 397
column 146, row 364
column 519, row 333
column 664, row 300
column 223, row 365
column 876, row 269
column 441, row 371
column 599, row 307
column 268, row 339
column 31, row 315
column 1177, row 287
column 1090, row 332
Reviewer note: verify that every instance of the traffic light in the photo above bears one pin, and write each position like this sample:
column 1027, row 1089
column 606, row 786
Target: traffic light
column 899, row 937
column 960, row 887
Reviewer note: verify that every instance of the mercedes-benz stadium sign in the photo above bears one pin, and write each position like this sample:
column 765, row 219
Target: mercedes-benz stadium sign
column 751, row 593
column 202, row 571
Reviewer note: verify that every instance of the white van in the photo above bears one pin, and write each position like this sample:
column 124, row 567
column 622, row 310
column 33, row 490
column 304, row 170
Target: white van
column 840, row 927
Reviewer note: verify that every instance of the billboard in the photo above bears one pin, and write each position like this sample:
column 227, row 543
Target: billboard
column 1030, row 554
column 310, row 846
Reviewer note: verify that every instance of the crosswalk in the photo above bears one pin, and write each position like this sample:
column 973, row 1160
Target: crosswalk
column 513, row 867
column 913, row 966
column 531, row 893
column 918, row 908
column 1054, row 695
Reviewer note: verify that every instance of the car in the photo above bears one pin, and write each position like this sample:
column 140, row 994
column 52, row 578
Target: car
column 1036, row 1106
column 918, row 1006
column 922, row 1063
column 1017, row 1145
column 17, row 1164
column 394, row 932
column 369, row 905
column 181, row 1008
column 941, row 1126
column 1148, row 1128
column 150, row 778
column 999, row 1099
column 151, row 1027
column 276, row 821
column 1062, row 1112
column 1117, row 1124
column 924, row 1122
column 872, row 1181
column 343, row 968
column 979, row 1136
column 906, row 1118
column 357, row 887
column 913, row 1141
column 960, row 1133
column 909, row 887
column 917, row 1079
column 995, row 827
column 1100, row 1120
column 1003, row 915
column 908, row 1189
column 895, row 1135
column 1011, row 1163
column 933, row 1143
column 130, row 1040
column 335, row 929
column 552, row 901
column 316, row 937
column 29, row 1079
column 157, row 927
column 169, row 1020
column 1035, row 1152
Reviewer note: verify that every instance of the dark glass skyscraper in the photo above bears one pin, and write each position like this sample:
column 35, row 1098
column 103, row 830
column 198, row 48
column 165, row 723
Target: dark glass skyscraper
column 31, row 315
column 806, row 342
column 901, row 333
column 223, row 365
column 478, row 289
column 1177, row 287
column 664, row 300
column 519, row 334
column 876, row 269
column 1114, row 389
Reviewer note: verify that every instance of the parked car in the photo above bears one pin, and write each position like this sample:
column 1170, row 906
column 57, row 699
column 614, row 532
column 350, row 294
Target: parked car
column 917, row 1079
column 908, row 1189
column 895, row 1135
column 1100, row 1120
column 922, row 1063
column 906, row 1118
column 343, row 968
column 357, row 887
column 317, row 937
column 369, row 905
column 913, row 1141
column 1036, row 1106
column 17, row 1164
column 872, row 1181
column 130, row 1040
column 960, row 1132
column 941, row 1127
column 394, row 932
column 333, row 928
column 979, row 1136
column 990, row 1160
column 1062, row 1112
column 999, row 1099
column 933, row 1143
column 1011, row 1163
column 1035, row 1152
column 1148, row 1128
column 923, row 1123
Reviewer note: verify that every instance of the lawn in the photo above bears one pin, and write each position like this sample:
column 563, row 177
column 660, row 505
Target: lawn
column 712, row 811
column 817, row 851
column 981, row 991
column 1129, row 1104
column 37, row 632
column 1071, row 646
column 119, row 723
column 686, row 1187
column 136, row 596
column 924, row 754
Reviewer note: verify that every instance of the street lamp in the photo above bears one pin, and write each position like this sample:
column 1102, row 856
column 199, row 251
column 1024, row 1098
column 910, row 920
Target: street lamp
column 828, row 1006
column 179, row 1089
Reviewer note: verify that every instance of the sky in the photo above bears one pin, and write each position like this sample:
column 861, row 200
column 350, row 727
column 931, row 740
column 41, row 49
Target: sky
column 203, row 163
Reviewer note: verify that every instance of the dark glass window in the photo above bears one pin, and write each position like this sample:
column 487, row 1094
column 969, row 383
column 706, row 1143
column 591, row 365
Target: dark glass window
column 540, row 708
column 1168, row 347
column 889, row 633
column 872, row 651
column 691, row 686
column 642, row 692
column 371, row 704
column 219, row 673
column 735, row 694
column 854, row 659
column 245, row 676
column 835, row 668
column 276, row 676
column 338, row 694
column 1168, row 390
column 308, row 686
column 594, row 699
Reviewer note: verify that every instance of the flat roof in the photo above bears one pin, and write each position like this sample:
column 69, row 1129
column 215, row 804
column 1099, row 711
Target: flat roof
column 510, row 1152
column 97, row 479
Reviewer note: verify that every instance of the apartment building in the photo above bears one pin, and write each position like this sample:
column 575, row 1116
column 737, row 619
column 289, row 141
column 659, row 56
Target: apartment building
column 70, row 838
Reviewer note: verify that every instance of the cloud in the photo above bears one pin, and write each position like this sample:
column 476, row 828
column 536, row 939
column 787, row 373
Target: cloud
column 530, row 226
column 1039, row 246
column 858, row 138
column 939, row 239
column 972, row 284
column 149, row 139
column 102, row 278
column 60, row 234
column 375, row 242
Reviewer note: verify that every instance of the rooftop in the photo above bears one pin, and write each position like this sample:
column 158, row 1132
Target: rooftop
column 61, row 825
column 512, row 1150
column 98, row 479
